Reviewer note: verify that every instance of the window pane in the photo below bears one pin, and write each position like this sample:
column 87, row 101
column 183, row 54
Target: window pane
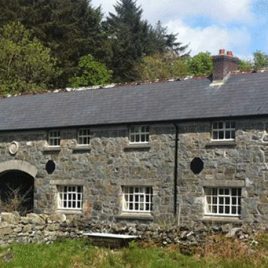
column 139, row 134
column 224, row 201
column 70, row 197
column 138, row 198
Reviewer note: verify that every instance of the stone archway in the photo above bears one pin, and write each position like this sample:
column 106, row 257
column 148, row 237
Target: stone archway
column 17, row 186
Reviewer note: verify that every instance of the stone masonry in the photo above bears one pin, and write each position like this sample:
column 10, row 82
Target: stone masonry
column 110, row 163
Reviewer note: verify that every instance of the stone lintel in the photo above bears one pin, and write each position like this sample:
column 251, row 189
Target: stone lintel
column 224, row 183
column 67, row 182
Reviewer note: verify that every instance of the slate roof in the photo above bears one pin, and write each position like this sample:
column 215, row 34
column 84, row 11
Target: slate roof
column 241, row 95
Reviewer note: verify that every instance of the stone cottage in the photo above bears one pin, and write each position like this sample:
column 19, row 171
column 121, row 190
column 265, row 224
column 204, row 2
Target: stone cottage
column 184, row 151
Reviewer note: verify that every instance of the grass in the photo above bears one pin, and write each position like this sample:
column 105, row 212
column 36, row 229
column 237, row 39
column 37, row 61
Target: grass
column 218, row 252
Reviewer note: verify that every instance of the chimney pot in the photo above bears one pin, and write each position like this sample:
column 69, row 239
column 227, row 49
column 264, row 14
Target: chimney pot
column 230, row 53
column 222, row 51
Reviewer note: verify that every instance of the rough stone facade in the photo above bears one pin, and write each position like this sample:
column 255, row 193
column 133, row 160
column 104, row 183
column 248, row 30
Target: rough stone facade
column 110, row 163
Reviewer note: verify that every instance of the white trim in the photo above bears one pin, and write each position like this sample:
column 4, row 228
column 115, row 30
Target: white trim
column 83, row 137
column 223, row 130
column 53, row 138
column 137, row 199
column 222, row 201
column 139, row 134
column 70, row 197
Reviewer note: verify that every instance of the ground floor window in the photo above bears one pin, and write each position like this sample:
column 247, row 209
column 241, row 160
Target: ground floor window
column 137, row 199
column 70, row 197
column 223, row 201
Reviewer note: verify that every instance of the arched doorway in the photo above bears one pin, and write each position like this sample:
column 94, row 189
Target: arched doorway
column 16, row 191
column 17, row 186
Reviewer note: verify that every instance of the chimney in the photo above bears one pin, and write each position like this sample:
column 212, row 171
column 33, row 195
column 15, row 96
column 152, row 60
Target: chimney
column 223, row 64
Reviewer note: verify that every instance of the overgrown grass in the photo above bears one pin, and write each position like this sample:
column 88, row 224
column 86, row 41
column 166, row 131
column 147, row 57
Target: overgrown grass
column 218, row 252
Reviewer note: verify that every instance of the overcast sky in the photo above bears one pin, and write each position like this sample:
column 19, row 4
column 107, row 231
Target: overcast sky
column 208, row 25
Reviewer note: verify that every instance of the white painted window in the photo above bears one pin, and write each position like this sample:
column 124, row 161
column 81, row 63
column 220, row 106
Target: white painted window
column 223, row 201
column 139, row 134
column 223, row 131
column 137, row 198
column 83, row 136
column 54, row 138
column 70, row 197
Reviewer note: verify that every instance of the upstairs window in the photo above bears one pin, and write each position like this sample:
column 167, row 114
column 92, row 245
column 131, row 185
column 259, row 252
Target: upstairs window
column 223, row 131
column 54, row 138
column 70, row 197
column 223, row 201
column 83, row 137
column 139, row 134
column 137, row 199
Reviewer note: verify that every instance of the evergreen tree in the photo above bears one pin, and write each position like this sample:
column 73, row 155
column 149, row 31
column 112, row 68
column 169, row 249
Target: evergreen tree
column 132, row 38
column 127, row 33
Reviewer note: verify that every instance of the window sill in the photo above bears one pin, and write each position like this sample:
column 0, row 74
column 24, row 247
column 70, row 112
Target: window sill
column 51, row 148
column 135, row 216
column 133, row 146
column 221, row 144
column 69, row 211
column 81, row 148
column 223, row 219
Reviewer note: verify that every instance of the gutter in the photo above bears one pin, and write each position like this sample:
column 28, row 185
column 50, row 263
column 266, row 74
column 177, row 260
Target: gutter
column 176, row 168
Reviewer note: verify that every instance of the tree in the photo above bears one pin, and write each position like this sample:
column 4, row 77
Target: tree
column 71, row 29
column 160, row 41
column 245, row 66
column 162, row 67
column 260, row 60
column 90, row 73
column 25, row 64
column 201, row 64
column 132, row 38
column 127, row 34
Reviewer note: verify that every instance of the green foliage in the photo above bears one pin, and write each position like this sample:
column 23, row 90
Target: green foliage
column 162, row 66
column 78, row 253
column 71, row 29
column 201, row 64
column 260, row 60
column 25, row 64
column 245, row 66
column 91, row 72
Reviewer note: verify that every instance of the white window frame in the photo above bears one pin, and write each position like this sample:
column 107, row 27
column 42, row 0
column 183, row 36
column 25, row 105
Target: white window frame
column 137, row 199
column 54, row 138
column 70, row 197
column 139, row 134
column 83, row 134
column 223, row 201
column 226, row 128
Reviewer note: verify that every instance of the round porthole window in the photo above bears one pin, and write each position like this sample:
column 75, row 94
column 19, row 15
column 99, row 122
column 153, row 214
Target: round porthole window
column 13, row 147
column 197, row 165
column 50, row 166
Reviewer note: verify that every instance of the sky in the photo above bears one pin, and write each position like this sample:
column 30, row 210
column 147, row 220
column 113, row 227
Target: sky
column 240, row 26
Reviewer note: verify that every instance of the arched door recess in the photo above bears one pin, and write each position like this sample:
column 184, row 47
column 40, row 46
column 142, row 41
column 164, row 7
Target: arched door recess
column 17, row 186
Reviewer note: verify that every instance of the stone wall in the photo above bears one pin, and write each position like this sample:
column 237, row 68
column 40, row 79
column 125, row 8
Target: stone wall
column 36, row 228
column 109, row 163
column 43, row 228
column 102, row 168
column 242, row 163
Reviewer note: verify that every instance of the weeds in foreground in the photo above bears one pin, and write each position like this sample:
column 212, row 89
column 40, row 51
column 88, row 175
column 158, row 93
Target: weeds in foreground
column 218, row 251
